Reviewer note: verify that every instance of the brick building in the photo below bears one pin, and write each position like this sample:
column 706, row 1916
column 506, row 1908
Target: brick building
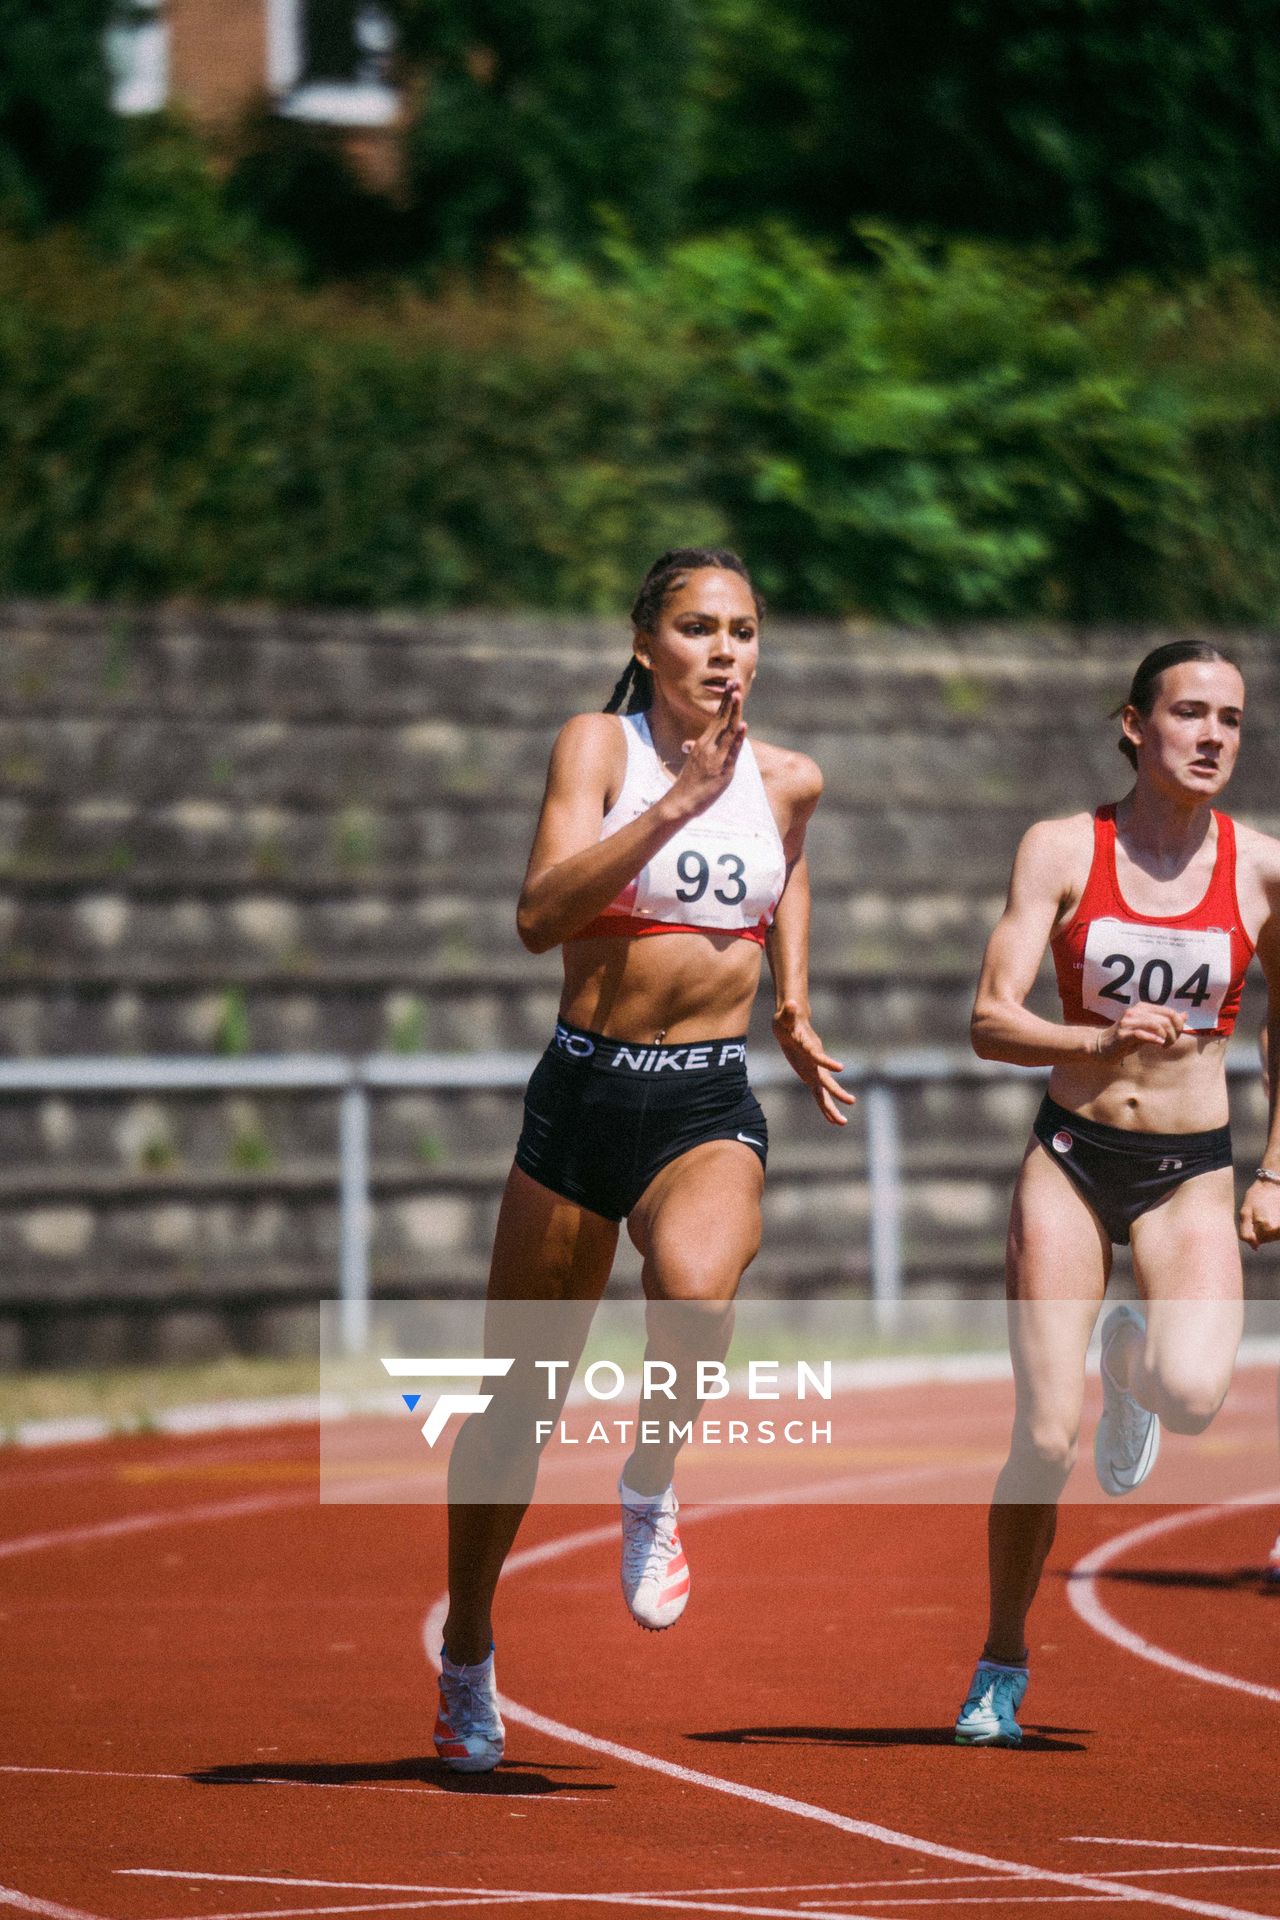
column 326, row 62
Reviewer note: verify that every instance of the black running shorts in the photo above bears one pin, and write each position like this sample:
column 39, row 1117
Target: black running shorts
column 602, row 1117
column 1121, row 1173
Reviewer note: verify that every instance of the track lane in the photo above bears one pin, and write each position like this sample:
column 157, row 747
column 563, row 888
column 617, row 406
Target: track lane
column 787, row 1656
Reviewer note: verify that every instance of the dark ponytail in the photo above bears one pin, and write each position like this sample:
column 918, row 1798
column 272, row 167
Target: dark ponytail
column 636, row 682
column 666, row 576
column 1142, row 693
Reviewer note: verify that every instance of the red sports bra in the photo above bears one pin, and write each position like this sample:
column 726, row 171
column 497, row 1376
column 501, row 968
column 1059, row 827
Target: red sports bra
column 1108, row 957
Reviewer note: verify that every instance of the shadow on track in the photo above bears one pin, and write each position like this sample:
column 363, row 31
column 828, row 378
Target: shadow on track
column 1041, row 1740
column 423, row 1771
column 1227, row 1579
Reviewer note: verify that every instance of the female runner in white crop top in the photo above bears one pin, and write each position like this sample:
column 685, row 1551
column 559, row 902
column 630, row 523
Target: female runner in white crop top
column 668, row 856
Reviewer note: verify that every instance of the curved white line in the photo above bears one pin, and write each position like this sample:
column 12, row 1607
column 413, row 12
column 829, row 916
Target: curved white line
column 50, row 1909
column 1082, row 1591
column 548, row 1550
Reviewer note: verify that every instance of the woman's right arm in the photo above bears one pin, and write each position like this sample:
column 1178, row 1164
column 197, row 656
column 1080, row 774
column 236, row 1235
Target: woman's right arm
column 573, row 874
column 1002, row 1028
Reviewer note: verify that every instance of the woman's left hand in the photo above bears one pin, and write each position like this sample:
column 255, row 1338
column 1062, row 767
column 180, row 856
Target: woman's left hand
column 810, row 1059
column 1260, row 1214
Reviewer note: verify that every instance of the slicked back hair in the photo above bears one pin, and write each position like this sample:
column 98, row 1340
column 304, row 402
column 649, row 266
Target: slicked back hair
column 1142, row 693
column 669, row 572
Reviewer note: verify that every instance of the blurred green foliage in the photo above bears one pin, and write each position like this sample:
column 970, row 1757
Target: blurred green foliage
column 943, row 432
column 58, row 135
column 659, row 272
column 536, row 116
column 963, row 430
column 1139, row 135
column 164, row 204
column 198, row 435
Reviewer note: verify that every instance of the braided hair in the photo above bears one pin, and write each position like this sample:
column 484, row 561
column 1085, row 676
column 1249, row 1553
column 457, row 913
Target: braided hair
column 669, row 572
column 1142, row 694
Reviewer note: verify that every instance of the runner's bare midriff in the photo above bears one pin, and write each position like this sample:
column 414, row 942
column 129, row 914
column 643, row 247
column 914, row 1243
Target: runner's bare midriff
column 687, row 986
column 1177, row 1089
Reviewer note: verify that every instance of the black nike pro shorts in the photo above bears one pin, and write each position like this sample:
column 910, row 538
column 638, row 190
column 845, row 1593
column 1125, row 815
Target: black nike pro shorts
column 602, row 1117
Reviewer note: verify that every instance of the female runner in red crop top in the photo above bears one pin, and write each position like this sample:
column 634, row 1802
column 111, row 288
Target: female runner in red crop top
column 1152, row 908
column 662, row 822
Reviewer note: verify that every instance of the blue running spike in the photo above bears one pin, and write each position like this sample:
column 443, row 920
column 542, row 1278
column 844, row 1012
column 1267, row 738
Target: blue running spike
column 411, row 1400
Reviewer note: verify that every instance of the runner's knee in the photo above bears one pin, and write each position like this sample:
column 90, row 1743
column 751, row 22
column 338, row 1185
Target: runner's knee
column 691, row 1323
column 692, row 1277
column 1047, row 1443
column 1186, row 1393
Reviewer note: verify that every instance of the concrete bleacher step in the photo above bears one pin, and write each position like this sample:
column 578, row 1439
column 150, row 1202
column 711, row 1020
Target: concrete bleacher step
column 107, row 933
column 470, row 1007
column 489, row 667
column 268, row 763
column 476, row 848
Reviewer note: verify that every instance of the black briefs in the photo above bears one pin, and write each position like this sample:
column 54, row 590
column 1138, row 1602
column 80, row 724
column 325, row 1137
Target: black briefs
column 1122, row 1173
column 602, row 1117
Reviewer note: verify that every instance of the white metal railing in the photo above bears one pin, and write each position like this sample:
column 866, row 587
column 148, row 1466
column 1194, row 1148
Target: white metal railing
column 355, row 1080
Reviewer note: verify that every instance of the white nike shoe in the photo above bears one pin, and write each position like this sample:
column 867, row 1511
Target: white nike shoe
column 1272, row 1575
column 655, row 1572
column 469, row 1733
column 1128, row 1437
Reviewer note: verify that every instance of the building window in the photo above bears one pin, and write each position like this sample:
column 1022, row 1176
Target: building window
column 330, row 61
column 138, row 57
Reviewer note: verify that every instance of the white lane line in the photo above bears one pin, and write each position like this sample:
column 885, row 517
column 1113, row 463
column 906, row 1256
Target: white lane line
column 523, row 1896
column 986, row 1900
column 276, row 1780
column 96, row 1773
column 784, row 1803
column 640, row 1897
column 564, row 1897
column 845, row 1886
column 515, row 1896
column 462, row 1899
column 246, row 1508
column 649, row 1901
column 1182, row 1846
column 1082, row 1592
column 1216, row 1866
column 147, row 1522
column 291, row 1880
column 27, row 1903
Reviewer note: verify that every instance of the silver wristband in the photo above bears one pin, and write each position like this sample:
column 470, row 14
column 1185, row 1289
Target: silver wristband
column 1265, row 1173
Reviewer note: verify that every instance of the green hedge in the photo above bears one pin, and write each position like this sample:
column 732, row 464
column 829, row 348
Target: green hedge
column 1141, row 135
column 963, row 433
column 163, row 437
column 967, row 430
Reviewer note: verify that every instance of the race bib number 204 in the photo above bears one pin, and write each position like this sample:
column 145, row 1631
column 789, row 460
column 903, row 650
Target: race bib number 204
column 1187, row 969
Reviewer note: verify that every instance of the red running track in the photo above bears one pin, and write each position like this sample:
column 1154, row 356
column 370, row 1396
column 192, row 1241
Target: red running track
column 218, row 1704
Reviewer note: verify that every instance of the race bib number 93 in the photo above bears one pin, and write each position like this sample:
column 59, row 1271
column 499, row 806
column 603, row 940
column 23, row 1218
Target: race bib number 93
column 1187, row 969
column 706, row 877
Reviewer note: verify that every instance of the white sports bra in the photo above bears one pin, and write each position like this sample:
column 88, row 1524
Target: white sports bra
column 722, row 873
